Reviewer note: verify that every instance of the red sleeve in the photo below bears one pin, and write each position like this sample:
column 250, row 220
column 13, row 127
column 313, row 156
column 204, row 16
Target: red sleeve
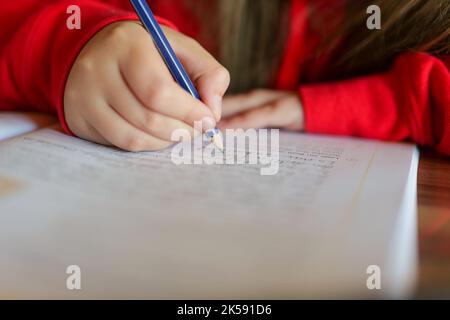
column 38, row 50
column 411, row 101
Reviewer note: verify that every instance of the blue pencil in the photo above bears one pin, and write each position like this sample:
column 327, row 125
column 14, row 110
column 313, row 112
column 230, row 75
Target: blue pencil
column 173, row 64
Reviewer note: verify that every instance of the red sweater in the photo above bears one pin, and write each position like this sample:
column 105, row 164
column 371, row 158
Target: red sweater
column 409, row 101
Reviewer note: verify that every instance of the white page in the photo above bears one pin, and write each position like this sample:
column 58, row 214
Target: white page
column 16, row 123
column 140, row 226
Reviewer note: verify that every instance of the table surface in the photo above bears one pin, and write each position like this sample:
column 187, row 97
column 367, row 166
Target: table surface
column 434, row 225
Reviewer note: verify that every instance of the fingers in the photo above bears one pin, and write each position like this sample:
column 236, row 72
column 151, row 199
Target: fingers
column 283, row 113
column 255, row 118
column 151, row 82
column 120, row 91
column 120, row 133
column 209, row 76
column 123, row 101
column 234, row 104
column 154, row 87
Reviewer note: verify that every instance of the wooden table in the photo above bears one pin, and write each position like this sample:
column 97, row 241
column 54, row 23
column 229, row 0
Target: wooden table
column 434, row 225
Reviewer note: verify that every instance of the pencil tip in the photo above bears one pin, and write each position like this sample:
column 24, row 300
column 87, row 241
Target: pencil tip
column 218, row 141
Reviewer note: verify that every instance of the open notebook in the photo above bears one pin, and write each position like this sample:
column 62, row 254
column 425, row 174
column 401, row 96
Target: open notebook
column 140, row 226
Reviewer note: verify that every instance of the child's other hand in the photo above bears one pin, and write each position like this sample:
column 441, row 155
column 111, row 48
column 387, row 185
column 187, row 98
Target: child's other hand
column 263, row 109
column 120, row 92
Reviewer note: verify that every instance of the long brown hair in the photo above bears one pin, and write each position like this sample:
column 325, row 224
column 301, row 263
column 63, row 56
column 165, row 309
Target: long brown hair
column 252, row 35
column 407, row 26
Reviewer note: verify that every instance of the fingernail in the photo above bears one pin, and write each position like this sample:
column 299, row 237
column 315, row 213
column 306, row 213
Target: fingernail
column 217, row 107
column 208, row 124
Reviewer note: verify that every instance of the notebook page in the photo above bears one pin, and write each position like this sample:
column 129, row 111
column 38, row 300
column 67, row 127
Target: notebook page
column 165, row 228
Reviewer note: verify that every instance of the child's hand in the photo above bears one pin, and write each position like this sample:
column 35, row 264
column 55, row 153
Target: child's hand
column 120, row 92
column 263, row 109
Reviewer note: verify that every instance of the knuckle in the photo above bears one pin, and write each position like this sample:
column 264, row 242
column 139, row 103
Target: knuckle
column 224, row 75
